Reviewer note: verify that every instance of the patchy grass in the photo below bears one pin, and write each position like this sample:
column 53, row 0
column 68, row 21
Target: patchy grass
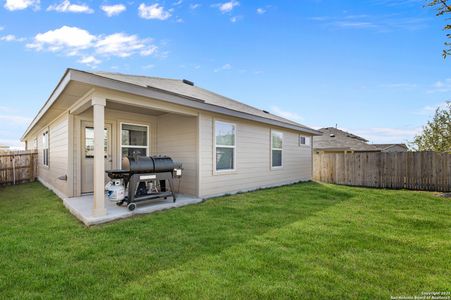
column 300, row 241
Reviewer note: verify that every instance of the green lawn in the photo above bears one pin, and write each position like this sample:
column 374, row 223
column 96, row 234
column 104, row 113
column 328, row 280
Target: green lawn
column 300, row 241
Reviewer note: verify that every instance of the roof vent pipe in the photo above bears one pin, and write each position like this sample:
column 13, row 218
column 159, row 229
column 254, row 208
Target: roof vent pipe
column 185, row 81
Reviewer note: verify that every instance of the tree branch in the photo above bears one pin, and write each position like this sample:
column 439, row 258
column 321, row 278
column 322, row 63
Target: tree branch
column 445, row 5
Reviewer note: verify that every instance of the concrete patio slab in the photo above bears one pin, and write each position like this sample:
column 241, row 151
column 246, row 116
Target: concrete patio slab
column 81, row 207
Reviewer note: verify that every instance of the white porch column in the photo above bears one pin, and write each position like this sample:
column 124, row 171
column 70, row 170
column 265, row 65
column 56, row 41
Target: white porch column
column 98, row 104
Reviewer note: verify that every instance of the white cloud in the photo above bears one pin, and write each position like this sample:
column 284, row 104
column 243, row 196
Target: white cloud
column 194, row 5
column 177, row 2
column 15, row 144
column 74, row 41
column 387, row 135
column 89, row 61
column 390, row 3
column 5, row 109
column 400, row 85
column 380, row 23
column 286, row 114
column 354, row 24
column 224, row 68
column 429, row 110
column 66, row 6
column 147, row 67
column 64, row 38
column 2, row 28
column 21, row 4
column 113, row 10
column 123, row 45
column 8, row 38
column 154, row 11
column 319, row 19
column 261, row 11
column 235, row 19
column 228, row 6
column 11, row 38
column 148, row 50
column 441, row 86
column 17, row 120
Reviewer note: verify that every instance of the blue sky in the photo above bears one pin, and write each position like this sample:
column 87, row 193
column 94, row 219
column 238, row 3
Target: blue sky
column 373, row 67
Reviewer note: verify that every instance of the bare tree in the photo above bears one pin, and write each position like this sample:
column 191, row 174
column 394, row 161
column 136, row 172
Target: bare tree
column 443, row 8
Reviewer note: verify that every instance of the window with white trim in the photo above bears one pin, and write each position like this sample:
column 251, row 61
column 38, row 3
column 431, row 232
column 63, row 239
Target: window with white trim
column 304, row 140
column 276, row 148
column 134, row 140
column 225, row 146
column 89, row 142
column 45, row 148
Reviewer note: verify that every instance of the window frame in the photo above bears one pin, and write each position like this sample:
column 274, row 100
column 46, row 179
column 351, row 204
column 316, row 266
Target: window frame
column 46, row 148
column 306, row 137
column 108, row 137
column 272, row 148
column 129, row 146
column 225, row 171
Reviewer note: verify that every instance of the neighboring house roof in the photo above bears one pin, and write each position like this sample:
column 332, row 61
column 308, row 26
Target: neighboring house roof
column 334, row 139
column 189, row 95
column 339, row 132
column 383, row 147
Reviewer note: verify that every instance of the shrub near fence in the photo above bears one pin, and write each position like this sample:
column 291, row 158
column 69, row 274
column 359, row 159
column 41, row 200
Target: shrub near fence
column 18, row 167
column 430, row 171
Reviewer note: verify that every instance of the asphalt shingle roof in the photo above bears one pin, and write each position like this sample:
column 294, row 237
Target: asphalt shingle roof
column 195, row 93
column 337, row 139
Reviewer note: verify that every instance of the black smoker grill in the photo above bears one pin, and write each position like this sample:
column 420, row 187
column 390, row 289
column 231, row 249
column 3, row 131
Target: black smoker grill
column 145, row 177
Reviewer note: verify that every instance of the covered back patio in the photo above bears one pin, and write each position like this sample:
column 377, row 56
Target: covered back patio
column 106, row 126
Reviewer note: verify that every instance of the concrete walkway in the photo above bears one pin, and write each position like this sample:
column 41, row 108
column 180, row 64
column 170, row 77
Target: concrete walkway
column 81, row 207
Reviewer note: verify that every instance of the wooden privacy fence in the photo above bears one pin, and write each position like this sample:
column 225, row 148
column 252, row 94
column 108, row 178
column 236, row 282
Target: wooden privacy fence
column 430, row 171
column 18, row 167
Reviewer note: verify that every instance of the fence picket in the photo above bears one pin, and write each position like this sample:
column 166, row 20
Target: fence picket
column 410, row 170
column 18, row 167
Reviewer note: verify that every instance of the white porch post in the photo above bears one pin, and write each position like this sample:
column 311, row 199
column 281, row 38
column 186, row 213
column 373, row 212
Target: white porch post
column 99, row 104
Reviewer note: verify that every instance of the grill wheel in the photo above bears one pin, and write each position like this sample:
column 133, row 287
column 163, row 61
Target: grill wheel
column 131, row 206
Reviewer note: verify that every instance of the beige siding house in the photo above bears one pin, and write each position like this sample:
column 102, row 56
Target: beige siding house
column 91, row 120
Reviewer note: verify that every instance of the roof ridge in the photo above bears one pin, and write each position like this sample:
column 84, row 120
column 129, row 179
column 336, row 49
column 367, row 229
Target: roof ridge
column 134, row 75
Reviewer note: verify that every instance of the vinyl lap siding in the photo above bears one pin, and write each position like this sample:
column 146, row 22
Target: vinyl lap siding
column 177, row 138
column 253, row 165
column 58, row 151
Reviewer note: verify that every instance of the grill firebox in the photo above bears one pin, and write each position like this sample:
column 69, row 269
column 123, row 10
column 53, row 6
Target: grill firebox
column 146, row 178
